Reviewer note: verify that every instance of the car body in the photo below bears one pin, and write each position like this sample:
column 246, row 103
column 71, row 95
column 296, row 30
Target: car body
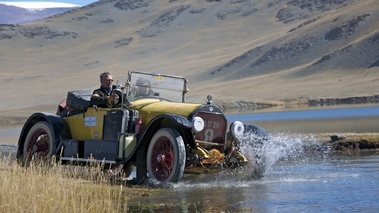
column 155, row 130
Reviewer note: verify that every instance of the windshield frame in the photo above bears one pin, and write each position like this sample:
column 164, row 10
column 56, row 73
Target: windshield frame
column 161, row 86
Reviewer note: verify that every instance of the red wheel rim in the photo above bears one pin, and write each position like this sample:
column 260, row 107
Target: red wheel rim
column 38, row 144
column 162, row 159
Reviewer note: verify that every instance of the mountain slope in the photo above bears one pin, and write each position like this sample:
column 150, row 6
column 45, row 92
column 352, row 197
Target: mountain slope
column 235, row 49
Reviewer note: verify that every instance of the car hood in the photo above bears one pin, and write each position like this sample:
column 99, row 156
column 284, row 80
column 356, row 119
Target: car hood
column 149, row 108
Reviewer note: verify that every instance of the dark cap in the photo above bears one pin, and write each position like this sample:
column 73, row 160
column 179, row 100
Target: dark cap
column 142, row 82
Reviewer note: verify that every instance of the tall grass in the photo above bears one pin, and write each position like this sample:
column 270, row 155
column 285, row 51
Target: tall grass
column 58, row 188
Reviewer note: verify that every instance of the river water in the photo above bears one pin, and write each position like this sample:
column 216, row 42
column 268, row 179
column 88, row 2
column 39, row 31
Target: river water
column 302, row 175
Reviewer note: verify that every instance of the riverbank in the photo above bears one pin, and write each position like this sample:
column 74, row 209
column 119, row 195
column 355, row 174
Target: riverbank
column 350, row 142
column 241, row 105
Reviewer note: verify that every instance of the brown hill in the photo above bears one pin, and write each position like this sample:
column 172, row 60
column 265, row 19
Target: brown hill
column 235, row 49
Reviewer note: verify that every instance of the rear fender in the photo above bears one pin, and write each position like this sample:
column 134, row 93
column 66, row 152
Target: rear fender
column 58, row 125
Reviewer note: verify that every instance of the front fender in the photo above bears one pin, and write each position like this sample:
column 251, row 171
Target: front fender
column 256, row 130
column 177, row 122
column 57, row 123
column 252, row 134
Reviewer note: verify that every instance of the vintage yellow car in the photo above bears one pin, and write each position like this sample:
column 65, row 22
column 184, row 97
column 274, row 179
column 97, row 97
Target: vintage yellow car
column 150, row 127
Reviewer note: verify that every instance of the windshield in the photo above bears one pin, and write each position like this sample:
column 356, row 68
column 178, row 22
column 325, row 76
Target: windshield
column 142, row 85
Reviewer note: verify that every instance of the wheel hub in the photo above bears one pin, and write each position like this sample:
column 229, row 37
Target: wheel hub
column 34, row 148
column 159, row 158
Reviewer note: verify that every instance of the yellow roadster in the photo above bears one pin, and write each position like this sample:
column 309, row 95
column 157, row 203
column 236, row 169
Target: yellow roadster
column 150, row 127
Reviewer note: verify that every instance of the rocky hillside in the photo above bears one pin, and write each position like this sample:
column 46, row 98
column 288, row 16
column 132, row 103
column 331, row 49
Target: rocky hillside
column 234, row 49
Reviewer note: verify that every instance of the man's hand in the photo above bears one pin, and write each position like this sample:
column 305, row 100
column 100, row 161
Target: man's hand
column 113, row 99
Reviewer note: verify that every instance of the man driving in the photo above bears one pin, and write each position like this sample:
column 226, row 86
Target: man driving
column 103, row 97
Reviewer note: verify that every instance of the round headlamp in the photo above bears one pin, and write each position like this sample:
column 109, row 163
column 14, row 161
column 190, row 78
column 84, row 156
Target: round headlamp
column 237, row 128
column 197, row 124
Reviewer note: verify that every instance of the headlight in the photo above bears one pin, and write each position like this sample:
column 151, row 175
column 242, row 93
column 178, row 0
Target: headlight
column 197, row 124
column 237, row 128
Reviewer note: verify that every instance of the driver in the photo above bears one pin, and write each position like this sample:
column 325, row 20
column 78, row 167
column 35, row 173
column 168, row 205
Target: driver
column 103, row 97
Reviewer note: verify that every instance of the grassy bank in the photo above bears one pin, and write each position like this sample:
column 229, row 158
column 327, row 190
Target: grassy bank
column 346, row 142
column 57, row 189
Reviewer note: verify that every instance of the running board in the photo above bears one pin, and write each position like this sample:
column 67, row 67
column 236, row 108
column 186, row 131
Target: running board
column 87, row 160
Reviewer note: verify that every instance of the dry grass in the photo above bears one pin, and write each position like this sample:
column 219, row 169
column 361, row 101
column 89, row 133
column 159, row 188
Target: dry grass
column 58, row 188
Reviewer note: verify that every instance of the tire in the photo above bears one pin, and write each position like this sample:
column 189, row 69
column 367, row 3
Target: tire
column 260, row 158
column 260, row 168
column 38, row 143
column 166, row 156
column 259, row 137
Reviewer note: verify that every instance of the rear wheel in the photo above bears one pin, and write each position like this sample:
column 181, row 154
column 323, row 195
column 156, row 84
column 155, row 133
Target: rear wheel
column 166, row 156
column 38, row 143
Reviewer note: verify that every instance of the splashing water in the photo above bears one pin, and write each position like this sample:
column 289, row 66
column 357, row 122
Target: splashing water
column 278, row 147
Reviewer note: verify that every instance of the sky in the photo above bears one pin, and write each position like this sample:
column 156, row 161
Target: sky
column 77, row 2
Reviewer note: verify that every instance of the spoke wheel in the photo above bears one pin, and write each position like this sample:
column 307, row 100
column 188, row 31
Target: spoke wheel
column 166, row 156
column 38, row 143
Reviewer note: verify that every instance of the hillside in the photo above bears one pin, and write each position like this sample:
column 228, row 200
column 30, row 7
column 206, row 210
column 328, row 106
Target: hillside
column 276, row 50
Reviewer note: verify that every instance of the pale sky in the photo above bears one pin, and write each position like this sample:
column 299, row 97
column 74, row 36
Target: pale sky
column 77, row 2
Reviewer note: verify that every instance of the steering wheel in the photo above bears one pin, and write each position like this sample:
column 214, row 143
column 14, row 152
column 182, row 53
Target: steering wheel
column 117, row 102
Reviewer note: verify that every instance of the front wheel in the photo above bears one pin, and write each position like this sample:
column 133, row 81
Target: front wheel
column 260, row 167
column 256, row 138
column 38, row 143
column 166, row 156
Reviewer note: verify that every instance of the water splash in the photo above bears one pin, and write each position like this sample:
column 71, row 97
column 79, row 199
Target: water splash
column 281, row 147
